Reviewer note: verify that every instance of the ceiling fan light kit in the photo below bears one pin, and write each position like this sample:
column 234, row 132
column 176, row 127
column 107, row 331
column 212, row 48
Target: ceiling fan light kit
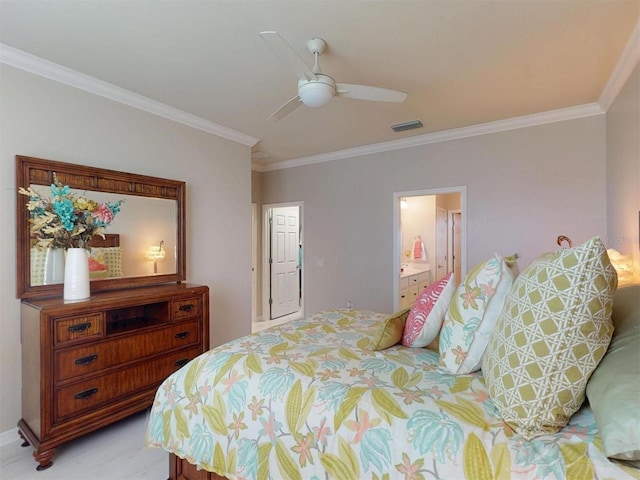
column 315, row 89
column 317, row 93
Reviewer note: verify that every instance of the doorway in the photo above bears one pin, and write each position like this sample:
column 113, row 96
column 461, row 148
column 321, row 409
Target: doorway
column 282, row 261
column 428, row 215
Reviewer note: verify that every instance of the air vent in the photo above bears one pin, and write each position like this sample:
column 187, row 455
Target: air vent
column 401, row 127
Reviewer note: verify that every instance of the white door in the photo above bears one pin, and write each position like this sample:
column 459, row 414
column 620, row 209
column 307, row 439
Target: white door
column 441, row 243
column 457, row 253
column 285, row 276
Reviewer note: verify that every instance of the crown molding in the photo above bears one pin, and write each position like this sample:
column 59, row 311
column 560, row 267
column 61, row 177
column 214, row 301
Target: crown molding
column 627, row 62
column 543, row 118
column 44, row 68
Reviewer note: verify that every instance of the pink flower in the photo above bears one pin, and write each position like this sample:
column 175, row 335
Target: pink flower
column 302, row 448
column 256, row 408
column 488, row 289
column 270, row 427
column 322, row 432
column 103, row 213
column 411, row 396
column 361, row 426
column 237, row 425
column 469, row 298
column 233, row 378
column 460, row 354
column 410, row 470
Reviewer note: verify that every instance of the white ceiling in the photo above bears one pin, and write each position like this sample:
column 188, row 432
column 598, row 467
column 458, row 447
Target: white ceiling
column 462, row 62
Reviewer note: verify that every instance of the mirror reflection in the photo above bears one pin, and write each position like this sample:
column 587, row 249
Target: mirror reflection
column 141, row 240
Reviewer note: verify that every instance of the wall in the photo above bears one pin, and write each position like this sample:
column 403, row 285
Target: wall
column 623, row 170
column 524, row 188
column 42, row 118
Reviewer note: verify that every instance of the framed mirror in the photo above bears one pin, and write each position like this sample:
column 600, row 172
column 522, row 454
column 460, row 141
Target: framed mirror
column 143, row 245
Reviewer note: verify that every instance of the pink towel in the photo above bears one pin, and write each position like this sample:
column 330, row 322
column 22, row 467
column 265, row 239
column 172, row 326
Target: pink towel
column 417, row 249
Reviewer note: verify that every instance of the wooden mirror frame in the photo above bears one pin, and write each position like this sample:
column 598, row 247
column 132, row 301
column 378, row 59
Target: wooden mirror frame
column 38, row 171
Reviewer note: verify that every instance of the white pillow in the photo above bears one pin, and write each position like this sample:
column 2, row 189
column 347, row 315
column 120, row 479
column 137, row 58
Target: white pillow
column 473, row 313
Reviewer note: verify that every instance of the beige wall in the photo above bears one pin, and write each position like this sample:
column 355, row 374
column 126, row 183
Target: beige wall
column 42, row 118
column 623, row 170
column 524, row 188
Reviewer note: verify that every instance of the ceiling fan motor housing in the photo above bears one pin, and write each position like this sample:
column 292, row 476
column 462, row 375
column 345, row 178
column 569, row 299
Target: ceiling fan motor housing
column 317, row 93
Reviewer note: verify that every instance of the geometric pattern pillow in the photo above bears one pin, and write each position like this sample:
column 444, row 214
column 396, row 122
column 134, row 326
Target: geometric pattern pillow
column 36, row 263
column 473, row 313
column 427, row 313
column 553, row 331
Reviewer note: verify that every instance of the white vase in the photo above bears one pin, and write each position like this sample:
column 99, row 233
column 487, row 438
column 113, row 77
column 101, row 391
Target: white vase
column 54, row 266
column 76, row 275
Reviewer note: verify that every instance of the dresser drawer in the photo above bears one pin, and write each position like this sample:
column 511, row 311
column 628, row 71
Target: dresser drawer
column 78, row 328
column 87, row 395
column 185, row 308
column 81, row 360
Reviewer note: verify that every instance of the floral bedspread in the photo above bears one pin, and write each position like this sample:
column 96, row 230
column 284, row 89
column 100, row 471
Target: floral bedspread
column 310, row 400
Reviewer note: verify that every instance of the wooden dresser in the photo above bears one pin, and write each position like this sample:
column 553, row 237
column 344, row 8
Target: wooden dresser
column 88, row 364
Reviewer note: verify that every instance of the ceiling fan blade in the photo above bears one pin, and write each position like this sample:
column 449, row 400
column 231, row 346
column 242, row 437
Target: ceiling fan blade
column 364, row 92
column 285, row 109
column 288, row 55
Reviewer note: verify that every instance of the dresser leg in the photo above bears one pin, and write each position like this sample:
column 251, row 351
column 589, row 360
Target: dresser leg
column 25, row 442
column 44, row 458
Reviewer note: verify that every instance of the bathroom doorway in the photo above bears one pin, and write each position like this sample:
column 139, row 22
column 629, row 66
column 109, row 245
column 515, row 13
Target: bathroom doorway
column 429, row 235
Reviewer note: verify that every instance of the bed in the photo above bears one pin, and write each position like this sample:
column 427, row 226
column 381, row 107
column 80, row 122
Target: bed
column 325, row 398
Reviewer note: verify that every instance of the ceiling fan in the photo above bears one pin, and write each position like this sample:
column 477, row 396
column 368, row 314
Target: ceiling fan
column 316, row 89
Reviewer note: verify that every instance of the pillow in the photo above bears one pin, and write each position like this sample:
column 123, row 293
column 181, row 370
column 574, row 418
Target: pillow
column 96, row 260
column 36, row 262
column 111, row 257
column 613, row 389
column 390, row 330
column 427, row 313
column 553, row 331
column 473, row 313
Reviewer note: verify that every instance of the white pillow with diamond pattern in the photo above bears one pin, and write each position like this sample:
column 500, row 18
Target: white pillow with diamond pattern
column 553, row 331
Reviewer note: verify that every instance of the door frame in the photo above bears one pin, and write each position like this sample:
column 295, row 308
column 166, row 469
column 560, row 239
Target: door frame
column 450, row 247
column 254, row 262
column 266, row 271
column 462, row 190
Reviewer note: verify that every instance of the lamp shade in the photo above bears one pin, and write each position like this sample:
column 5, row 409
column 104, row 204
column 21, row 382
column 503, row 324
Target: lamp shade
column 156, row 252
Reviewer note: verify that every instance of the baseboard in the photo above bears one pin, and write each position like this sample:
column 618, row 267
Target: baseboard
column 9, row 436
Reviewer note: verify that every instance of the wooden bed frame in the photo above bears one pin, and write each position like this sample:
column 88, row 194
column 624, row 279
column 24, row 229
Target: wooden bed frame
column 180, row 469
column 109, row 240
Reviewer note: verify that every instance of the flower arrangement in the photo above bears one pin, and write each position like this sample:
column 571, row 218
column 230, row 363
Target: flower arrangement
column 67, row 220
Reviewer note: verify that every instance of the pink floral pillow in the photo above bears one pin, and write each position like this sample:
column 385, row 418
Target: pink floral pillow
column 427, row 313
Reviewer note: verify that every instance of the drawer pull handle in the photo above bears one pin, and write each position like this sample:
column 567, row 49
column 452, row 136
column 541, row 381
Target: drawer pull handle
column 86, row 360
column 181, row 362
column 182, row 335
column 86, row 394
column 186, row 307
column 81, row 327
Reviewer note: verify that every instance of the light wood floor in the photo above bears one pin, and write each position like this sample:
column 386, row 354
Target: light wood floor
column 117, row 452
